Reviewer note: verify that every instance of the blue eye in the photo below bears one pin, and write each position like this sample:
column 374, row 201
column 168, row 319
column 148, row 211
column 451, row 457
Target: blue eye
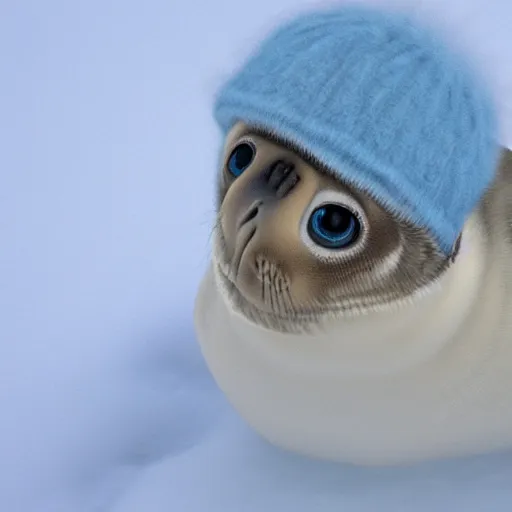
column 240, row 159
column 333, row 226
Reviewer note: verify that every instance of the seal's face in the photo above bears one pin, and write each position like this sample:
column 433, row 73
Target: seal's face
column 294, row 245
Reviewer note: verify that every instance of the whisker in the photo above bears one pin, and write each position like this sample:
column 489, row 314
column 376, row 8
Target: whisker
column 279, row 296
column 283, row 310
column 272, row 295
column 290, row 300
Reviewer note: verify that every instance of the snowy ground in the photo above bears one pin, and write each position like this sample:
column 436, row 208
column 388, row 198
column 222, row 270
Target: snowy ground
column 106, row 173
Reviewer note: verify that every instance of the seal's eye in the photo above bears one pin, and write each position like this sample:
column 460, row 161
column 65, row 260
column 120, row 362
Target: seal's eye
column 240, row 158
column 333, row 226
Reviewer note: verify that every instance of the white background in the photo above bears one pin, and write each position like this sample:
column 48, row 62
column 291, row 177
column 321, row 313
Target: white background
column 107, row 161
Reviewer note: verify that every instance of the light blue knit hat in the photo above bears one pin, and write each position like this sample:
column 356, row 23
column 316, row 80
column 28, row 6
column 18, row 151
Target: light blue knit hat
column 382, row 103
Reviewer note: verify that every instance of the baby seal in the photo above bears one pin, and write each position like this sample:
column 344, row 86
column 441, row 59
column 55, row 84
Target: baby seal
column 350, row 312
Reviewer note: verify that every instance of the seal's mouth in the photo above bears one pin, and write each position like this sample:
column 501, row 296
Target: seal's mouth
column 228, row 281
column 240, row 302
column 287, row 323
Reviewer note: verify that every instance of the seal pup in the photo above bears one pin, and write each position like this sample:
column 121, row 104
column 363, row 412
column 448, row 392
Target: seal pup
column 344, row 316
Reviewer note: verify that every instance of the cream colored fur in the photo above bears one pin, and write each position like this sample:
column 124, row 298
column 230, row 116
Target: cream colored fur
column 427, row 380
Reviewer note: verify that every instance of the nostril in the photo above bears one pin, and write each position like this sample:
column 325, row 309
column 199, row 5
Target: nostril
column 250, row 215
column 281, row 177
column 288, row 183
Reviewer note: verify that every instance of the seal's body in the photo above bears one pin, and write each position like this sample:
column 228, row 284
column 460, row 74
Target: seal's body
column 358, row 305
column 430, row 378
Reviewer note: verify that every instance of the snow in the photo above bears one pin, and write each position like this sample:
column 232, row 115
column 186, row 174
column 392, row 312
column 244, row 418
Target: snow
column 106, row 202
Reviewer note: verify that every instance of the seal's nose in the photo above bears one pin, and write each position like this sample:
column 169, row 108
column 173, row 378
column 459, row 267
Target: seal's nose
column 280, row 178
column 271, row 185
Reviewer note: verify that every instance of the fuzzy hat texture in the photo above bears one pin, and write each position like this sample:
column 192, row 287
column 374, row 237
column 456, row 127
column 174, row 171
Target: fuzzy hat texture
column 380, row 101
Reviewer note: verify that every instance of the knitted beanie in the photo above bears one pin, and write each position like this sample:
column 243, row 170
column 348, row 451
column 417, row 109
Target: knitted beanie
column 381, row 103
